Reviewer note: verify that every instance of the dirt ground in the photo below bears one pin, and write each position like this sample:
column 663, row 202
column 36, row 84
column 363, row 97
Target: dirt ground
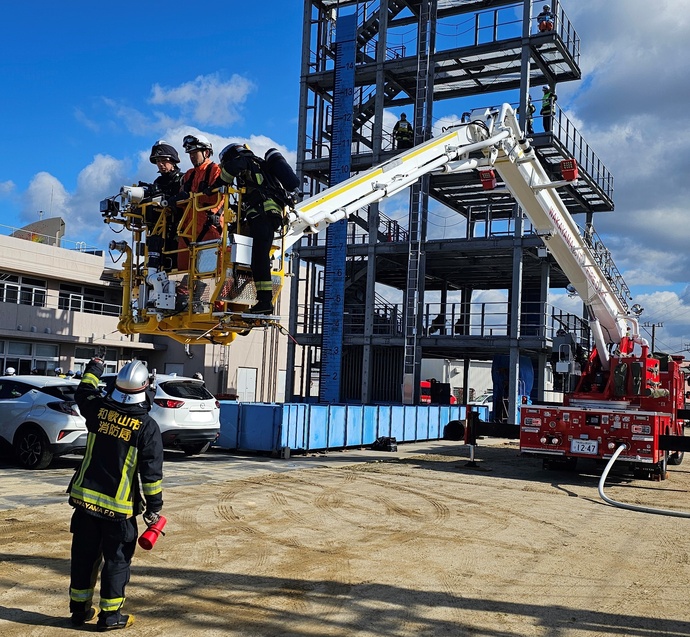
column 356, row 543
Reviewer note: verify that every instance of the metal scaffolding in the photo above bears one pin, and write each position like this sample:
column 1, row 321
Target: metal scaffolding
column 411, row 289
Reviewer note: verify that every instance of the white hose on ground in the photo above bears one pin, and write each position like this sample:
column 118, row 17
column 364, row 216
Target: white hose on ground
column 631, row 507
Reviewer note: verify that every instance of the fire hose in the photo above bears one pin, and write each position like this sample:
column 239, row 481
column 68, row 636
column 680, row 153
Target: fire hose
column 632, row 507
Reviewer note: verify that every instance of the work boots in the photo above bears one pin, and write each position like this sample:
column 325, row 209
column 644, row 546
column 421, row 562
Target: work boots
column 113, row 621
column 80, row 617
column 264, row 303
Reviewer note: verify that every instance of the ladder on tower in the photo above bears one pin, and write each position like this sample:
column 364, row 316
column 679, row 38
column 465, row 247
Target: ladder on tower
column 419, row 200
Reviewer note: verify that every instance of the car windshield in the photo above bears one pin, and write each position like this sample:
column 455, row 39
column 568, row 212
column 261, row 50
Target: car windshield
column 483, row 398
column 186, row 389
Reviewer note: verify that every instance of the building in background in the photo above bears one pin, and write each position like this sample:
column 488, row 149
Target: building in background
column 461, row 275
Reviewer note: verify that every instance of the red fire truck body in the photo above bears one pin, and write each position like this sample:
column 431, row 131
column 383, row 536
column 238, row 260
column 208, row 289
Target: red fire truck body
column 633, row 403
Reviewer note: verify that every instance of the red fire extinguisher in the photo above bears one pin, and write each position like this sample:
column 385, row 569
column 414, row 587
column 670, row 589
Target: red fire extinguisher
column 149, row 537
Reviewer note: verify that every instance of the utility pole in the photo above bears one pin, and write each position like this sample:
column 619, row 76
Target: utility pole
column 653, row 326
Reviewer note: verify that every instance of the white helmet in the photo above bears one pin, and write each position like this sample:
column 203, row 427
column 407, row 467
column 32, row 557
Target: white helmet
column 197, row 142
column 10, row 371
column 58, row 370
column 131, row 383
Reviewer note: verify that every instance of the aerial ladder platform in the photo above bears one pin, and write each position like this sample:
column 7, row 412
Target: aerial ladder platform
column 219, row 283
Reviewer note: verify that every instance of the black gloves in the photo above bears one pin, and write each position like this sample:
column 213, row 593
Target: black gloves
column 151, row 517
column 95, row 366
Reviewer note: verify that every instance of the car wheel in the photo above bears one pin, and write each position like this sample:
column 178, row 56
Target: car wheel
column 195, row 450
column 32, row 449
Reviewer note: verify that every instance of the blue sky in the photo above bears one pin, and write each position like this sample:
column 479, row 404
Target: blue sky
column 89, row 87
column 83, row 80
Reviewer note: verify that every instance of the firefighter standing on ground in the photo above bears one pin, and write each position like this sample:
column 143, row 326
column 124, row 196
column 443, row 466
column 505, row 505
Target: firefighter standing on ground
column 263, row 215
column 123, row 446
column 403, row 134
column 200, row 179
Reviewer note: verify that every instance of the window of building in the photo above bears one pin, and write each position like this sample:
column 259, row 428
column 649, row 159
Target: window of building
column 90, row 300
column 22, row 290
column 29, row 358
column 20, row 348
column 45, row 350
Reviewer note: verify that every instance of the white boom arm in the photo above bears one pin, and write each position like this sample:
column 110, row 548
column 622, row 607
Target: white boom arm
column 497, row 135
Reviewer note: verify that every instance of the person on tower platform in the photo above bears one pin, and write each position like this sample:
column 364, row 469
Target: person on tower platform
column 545, row 19
column 123, row 458
column 548, row 107
column 403, row 133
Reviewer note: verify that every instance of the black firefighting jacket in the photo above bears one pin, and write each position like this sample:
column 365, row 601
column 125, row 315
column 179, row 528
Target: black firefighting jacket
column 123, row 445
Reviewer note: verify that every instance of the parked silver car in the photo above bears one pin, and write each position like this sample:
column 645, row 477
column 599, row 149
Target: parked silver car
column 187, row 413
column 39, row 419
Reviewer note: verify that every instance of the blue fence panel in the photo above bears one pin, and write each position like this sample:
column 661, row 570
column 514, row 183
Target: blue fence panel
column 397, row 423
column 370, row 424
column 295, row 422
column 384, row 423
column 354, row 426
column 423, row 418
column 336, row 426
column 229, row 424
column 317, row 427
column 259, row 427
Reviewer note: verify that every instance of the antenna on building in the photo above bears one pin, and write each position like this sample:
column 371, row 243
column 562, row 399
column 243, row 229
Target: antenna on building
column 40, row 215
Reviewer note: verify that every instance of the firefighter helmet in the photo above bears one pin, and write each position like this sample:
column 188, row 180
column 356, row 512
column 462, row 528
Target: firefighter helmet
column 162, row 150
column 10, row 371
column 197, row 142
column 131, row 383
column 233, row 158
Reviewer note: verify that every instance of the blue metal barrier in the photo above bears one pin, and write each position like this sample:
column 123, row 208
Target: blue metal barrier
column 270, row 427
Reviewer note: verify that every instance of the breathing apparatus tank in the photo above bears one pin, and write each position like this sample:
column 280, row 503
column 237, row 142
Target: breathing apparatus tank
column 281, row 170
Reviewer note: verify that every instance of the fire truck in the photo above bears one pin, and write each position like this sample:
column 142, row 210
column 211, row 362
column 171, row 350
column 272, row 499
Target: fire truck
column 619, row 394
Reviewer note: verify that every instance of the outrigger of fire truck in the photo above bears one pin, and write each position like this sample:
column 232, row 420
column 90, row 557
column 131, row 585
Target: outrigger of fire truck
column 621, row 394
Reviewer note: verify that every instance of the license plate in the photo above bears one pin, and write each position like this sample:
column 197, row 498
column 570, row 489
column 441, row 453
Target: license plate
column 200, row 416
column 590, row 447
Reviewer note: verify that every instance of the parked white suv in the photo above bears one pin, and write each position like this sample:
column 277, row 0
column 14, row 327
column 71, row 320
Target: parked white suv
column 187, row 413
column 39, row 419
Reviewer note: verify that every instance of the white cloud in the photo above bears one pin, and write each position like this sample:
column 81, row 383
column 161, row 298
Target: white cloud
column 89, row 123
column 45, row 193
column 207, row 99
column 79, row 209
column 7, row 188
column 140, row 123
column 670, row 312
